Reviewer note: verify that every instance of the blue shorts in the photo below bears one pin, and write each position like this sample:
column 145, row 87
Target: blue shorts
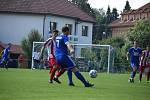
column 65, row 61
column 135, row 64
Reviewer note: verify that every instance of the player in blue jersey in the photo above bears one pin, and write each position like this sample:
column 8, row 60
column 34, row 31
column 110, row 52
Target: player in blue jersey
column 52, row 61
column 135, row 54
column 62, row 57
column 5, row 56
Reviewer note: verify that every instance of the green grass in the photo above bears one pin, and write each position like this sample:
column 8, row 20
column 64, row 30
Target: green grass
column 25, row 84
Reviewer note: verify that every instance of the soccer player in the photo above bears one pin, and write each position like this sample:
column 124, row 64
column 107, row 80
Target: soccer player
column 135, row 54
column 145, row 64
column 62, row 57
column 5, row 56
column 53, row 64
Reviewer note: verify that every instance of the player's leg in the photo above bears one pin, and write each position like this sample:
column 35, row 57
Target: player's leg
column 71, row 65
column 2, row 62
column 81, row 77
column 60, row 72
column 53, row 64
column 7, row 61
column 148, row 73
column 50, row 70
column 55, row 68
column 141, row 70
column 70, row 82
column 148, row 76
column 133, row 73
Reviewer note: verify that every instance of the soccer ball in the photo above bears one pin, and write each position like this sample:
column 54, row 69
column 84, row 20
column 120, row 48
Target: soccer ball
column 93, row 73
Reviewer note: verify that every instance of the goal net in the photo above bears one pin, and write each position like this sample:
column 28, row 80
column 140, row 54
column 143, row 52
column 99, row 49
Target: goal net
column 36, row 64
column 86, row 56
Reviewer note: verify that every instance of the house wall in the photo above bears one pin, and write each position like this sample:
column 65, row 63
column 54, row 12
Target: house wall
column 61, row 22
column 119, row 31
column 85, row 39
column 14, row 27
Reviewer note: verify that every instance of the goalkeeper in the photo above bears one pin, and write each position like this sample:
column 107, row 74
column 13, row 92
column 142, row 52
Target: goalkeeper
column 52, row 62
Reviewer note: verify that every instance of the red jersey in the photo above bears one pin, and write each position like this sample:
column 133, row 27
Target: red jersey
column 145, row 59
column 50, row 47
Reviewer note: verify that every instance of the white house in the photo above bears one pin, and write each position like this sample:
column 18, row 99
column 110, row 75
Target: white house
column 18, row 17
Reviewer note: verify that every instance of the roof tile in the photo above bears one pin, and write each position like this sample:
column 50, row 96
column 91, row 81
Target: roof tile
column 55, row 7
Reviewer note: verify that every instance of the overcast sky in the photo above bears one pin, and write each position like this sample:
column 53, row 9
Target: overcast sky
column 119, row 4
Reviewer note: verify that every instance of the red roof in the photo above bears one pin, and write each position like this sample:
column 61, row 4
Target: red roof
column 54, row 7
column 145, row 8
column 128, row 23
column 119, row 23
column 14, row 48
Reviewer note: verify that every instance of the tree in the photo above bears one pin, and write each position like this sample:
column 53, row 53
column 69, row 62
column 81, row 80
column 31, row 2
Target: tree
column 99, row 27
column 108, row 15
column 114, row 14
column 127, row 6
column 140, row 32
column 27, row 42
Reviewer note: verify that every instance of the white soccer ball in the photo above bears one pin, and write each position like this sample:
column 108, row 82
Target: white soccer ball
column 93, row 73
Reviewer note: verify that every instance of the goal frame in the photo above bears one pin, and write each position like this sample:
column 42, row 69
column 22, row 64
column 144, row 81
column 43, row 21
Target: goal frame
column 108, row 46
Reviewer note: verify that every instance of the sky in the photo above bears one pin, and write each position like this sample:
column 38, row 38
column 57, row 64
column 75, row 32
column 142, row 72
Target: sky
column 119, row 4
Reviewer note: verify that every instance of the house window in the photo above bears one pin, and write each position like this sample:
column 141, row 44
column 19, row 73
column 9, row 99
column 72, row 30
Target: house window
column 53, row 26
column 84, row 30
column 70, row 28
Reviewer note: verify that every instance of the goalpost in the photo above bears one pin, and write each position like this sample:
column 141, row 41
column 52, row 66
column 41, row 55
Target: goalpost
column 99, row 57
column 87, row 56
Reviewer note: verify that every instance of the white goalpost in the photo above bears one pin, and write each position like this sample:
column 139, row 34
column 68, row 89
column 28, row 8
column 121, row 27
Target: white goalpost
column 87, row 56
column 102, row 51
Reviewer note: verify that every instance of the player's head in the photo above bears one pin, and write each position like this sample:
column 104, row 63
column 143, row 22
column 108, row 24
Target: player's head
column 65, row 30
column 9, row 45
column 135, row 44
column 55, row 33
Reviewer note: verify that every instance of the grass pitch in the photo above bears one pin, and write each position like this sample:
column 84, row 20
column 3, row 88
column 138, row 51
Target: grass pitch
column 26, row 84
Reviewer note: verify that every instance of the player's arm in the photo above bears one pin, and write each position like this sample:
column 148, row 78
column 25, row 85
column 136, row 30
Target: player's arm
column 70, row 47
column 142, row 57
column 47, row 42
column 127, row 55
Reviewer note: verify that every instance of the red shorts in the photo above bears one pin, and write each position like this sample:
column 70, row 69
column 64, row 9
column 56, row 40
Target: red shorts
column 143, row 67
column 52, row 62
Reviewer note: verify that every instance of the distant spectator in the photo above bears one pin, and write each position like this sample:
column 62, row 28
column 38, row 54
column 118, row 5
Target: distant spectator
column 21, row 61
column 36, row 59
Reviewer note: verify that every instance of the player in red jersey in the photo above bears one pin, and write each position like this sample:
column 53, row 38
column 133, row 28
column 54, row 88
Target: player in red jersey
column 145, row 64
column 52, row 62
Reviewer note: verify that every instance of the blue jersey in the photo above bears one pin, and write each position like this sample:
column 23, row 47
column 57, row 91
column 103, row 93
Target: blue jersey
column 6, row 53
column 135, row 54
column 61, row 47
column 61, row 52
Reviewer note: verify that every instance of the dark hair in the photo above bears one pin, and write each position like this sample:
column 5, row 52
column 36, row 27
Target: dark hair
column 55, row 31
column 65, row 29
column 9, row 44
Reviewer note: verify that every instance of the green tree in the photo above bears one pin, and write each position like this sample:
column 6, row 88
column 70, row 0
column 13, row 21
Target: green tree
column 108, row 15
column 99, row 26
column 127, row 6
column 114, row 14
column 27, row 42
column 140, row 32
column 120, row 46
